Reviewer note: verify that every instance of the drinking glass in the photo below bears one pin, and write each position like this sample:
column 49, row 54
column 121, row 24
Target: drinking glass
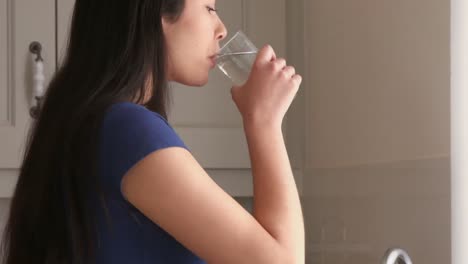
column 236, row 58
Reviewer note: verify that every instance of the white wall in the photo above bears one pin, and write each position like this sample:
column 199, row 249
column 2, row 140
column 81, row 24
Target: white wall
column 459, row 130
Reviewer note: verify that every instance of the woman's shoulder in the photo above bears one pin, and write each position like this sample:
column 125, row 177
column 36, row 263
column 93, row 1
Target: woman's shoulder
column 129, row 133
column 131, row 112
column 137, row 125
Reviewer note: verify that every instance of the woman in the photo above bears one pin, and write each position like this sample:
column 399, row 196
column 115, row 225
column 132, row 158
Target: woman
column 106, row 179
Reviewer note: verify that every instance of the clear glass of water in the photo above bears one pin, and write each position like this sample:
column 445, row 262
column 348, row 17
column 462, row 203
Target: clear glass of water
column 236, row 58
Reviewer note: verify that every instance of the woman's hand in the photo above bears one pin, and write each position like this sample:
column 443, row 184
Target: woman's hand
column 266, row 96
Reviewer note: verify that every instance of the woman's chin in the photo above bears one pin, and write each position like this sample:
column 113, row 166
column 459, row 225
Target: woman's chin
column 198, row 82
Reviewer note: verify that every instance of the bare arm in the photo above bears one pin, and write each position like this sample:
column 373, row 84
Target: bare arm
column 174, row 191
column 276, row 200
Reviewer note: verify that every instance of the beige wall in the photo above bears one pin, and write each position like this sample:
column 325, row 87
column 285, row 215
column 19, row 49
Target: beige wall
column 379, row 80
column 354, row 214
column 375, row 128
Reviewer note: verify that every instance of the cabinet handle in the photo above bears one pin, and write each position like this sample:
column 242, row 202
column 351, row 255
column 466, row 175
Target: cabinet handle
column 38, row 79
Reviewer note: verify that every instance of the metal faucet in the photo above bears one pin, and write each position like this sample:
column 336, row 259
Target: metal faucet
column 396, row 256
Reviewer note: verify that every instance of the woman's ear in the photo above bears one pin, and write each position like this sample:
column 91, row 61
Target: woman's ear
column 165, row 24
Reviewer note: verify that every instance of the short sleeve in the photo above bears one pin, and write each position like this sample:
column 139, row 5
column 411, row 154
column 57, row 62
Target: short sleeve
column 130, row 132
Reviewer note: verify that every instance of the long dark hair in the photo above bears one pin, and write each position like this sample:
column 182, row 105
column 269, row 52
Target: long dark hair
column 115, row 51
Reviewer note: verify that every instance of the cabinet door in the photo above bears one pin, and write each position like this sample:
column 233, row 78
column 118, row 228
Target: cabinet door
column 64, row 16
column 21, row 22
column 206, row 117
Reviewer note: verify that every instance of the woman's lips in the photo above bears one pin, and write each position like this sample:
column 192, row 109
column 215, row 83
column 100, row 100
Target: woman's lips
column 213, row 61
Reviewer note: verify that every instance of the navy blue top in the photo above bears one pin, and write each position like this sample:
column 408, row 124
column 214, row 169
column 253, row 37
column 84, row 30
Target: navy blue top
column 130, row 132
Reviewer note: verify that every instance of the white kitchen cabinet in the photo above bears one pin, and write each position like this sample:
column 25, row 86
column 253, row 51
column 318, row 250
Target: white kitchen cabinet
column 21, row 22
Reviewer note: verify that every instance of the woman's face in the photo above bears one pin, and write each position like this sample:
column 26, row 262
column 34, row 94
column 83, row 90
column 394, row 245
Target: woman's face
column 192, row 41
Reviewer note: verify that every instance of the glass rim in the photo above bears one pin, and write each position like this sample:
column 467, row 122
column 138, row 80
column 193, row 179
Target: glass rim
column 239, row 32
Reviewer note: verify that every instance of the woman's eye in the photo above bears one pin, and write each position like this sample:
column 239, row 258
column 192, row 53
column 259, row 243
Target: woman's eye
column 210, row 9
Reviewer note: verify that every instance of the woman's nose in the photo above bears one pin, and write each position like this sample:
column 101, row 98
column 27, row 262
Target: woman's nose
column 222, row 31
